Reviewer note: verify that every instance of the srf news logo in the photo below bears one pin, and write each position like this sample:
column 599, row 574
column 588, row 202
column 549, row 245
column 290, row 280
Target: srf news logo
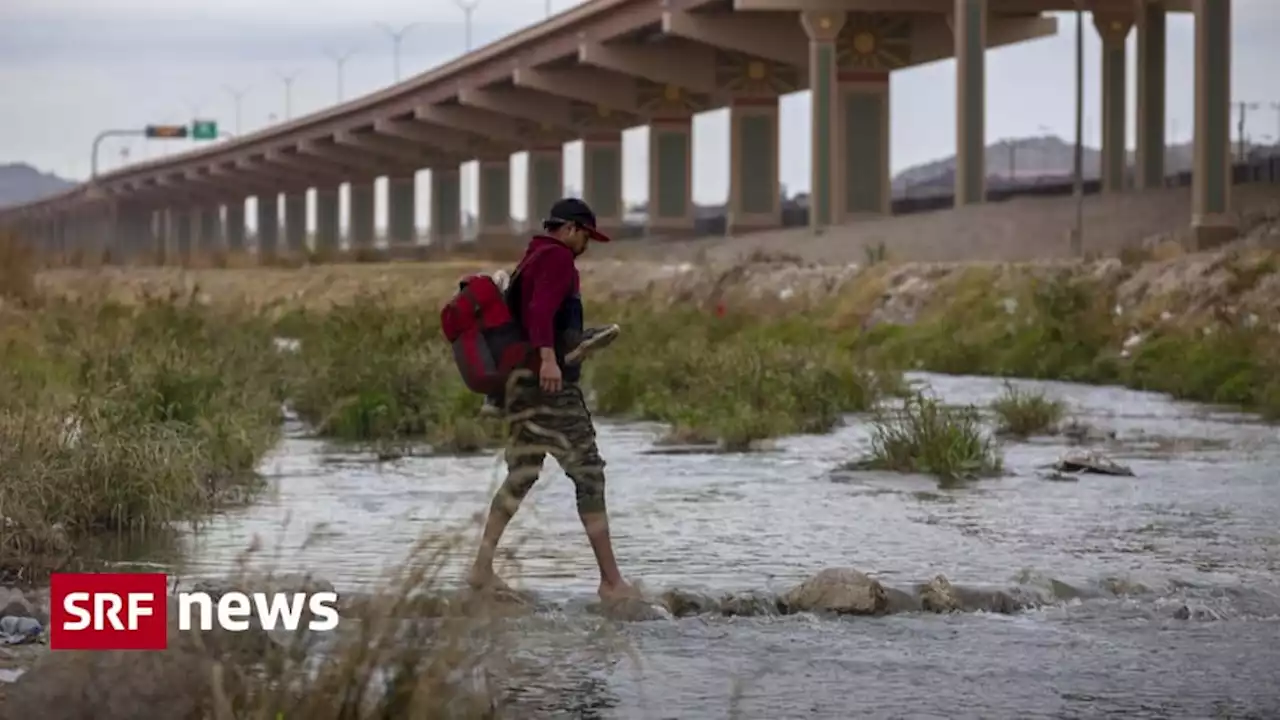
column 130, row 611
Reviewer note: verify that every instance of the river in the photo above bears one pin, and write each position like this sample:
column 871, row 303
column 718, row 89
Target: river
column 1194, row 533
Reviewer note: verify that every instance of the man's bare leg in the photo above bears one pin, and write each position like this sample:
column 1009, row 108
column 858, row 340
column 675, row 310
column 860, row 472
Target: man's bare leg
column 502, row 508
column 612, row 585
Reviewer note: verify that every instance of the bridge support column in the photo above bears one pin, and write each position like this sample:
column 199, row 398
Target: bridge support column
column 545, row 183
column 970, row 27
column 361, row 228
column 754, row 196
column 823, row 27
column 1114, row 31
column 57, row 243
column 446, row 207
column 327, row 235
column 132, row 234
column 207, row 237
column 671, row 177
column 864, row 145
column 402, row 224
column 1211, row 220
column 184, row 222
column 1151, row 95
column 234, row 226
column 494, row 201
column 166, row 221
column 268, row 218
column 602, row 179
column 295, row 224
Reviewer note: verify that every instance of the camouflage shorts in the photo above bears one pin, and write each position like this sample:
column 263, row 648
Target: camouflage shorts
column 557, row 424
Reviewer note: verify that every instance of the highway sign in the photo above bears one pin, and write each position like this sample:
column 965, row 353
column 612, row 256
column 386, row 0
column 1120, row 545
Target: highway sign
column 166, row 131
column 204, row 129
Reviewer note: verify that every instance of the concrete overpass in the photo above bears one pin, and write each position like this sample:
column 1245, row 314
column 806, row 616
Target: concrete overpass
column 608, row 65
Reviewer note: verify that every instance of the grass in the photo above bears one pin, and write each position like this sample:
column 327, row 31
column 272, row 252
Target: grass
column 125, row 420
column 930, row 438
column 371, row 371
column 1064, row 327
column 1023, row 413
column 728, row 378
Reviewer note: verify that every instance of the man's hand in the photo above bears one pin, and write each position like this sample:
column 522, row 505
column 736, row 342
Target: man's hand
column 549, row 376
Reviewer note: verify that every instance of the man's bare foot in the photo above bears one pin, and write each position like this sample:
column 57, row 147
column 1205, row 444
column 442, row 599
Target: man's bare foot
column 621, row 590
column 488, row 581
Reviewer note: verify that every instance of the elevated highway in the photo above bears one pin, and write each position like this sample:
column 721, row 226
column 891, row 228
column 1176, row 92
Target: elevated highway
column 608, row 65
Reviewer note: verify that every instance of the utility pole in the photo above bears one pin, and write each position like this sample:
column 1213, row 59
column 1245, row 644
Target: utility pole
column 397, row 35
column 468, row 8
column 287, row 79
column 1245, row 107
column 238, row 96
column 340, row 59
column 1276, row 106
column 548, row 8
column 1077, row 233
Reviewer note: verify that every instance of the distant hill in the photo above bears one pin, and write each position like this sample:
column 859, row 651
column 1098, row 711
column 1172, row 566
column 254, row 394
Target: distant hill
column 20, row 183
column 1025, row 159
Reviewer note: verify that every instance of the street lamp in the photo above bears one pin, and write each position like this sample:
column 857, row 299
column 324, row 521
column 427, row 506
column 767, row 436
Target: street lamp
column 1245, row 107
column 468, row 8
column 340, row 59
column 238, row 96
column 396, row 36
column 287, row 79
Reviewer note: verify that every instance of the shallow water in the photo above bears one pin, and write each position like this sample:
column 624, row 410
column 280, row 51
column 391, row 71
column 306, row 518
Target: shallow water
column 1197, row 526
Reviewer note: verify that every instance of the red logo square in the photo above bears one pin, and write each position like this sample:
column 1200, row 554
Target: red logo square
column 108, row 611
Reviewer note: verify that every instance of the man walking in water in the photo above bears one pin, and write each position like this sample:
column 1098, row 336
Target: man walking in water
column 548, row 414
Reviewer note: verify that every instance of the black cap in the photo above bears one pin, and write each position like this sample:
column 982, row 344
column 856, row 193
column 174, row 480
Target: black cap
column 574, row 210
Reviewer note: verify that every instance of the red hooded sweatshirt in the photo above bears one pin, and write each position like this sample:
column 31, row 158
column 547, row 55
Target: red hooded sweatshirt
column 546, row 282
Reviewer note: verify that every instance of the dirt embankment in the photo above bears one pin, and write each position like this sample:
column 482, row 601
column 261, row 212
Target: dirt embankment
column 1021, row 229
column 1239, row 281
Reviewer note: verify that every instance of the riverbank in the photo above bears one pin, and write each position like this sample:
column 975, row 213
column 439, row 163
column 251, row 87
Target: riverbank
column 1203, row 327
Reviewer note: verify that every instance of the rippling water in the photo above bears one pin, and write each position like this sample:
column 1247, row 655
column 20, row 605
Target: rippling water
column 1197, row 526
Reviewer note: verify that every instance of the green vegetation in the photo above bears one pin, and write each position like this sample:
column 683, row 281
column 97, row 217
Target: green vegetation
column 729, row 378
column 125, row 419
column 1065, row 328
column 376, row 372
column 930, row 438
column 1023, row 413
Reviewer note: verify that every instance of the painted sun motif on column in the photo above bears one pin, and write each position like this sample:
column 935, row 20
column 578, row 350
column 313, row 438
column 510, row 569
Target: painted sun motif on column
column 586, row 116
column 664, row 99
column 874, row 41
column 538, row 134
column 745, row 75
column 1113, row 28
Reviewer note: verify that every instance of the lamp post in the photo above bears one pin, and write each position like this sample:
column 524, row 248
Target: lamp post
column 238, row 96
column 287, row 79
column 1245, row 107
column 340, row 59
column 397, row 35
column 468, row 9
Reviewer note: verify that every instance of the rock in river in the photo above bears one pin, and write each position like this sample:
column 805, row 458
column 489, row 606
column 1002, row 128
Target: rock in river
column 843, row 591
column 1090, row 462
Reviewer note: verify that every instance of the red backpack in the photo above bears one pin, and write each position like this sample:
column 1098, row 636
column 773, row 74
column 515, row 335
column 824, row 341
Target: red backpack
column 488, row 343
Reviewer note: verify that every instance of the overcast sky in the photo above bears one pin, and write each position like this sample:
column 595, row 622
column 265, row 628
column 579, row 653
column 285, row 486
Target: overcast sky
column 70, row 68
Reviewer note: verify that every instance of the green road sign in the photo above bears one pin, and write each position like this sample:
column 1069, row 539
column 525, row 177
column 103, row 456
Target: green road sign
column 204, row 129
column 166, row 131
